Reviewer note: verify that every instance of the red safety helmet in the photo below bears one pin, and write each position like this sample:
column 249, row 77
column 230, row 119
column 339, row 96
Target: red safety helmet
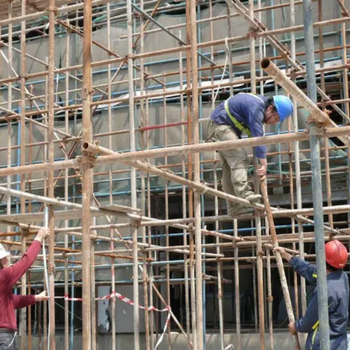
column 336, row 254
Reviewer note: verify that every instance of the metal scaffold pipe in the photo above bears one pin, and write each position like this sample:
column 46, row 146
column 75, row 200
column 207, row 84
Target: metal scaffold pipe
column 317, row 196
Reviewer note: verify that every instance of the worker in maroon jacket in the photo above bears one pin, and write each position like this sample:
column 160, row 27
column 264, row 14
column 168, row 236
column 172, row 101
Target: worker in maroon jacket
column 9, row 302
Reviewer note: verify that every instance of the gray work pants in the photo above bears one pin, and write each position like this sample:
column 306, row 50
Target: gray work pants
column 5, row 340
column 235, row 165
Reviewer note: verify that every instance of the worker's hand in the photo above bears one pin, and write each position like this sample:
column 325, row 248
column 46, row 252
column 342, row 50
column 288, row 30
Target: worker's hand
column 283, row 253
column 41, row 297
column 261, row 171
column 263, row 167
column 292, row 328
column 279, row 250
column 42, row 234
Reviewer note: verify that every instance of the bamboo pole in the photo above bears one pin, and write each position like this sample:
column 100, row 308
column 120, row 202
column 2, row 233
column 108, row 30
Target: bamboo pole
column 316, row 114
column 87, row 176
column 184, row 205
column 149, row 236
column 22, row 161
column 143, row 121
column 66, row 196
column 166, row 205
column 237, row 291
column 9, row 104
column 93, row 294
column 269, row 289
column 297, row 167
column 228, row 50
column 255, row 292
column 260, row 272
column 345, row 60
column 260, row 277
column 51, row 190
column 133, row 174
column 190, row 172
column 113, row 300
column 279, row 261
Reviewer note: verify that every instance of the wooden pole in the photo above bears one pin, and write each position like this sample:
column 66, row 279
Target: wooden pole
column 87, row 176
column 279, row 260
column 23, row 311
column 51, row 187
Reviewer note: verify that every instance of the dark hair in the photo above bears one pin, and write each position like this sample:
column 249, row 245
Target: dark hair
column 269, row 103
column 331, row 268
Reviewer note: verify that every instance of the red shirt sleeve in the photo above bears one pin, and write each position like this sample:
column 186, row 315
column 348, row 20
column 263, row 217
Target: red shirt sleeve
column 21, row 301
column 12, row 274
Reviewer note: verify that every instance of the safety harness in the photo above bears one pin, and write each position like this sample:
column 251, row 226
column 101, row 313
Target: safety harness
column 316, row 326
column 240, row 126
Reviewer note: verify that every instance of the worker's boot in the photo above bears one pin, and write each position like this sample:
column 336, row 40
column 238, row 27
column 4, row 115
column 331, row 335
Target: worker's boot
column 254, row 197
column 239, row 210
column 241, row 188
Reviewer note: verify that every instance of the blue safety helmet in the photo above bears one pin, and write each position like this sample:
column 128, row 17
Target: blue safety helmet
column 284, row 106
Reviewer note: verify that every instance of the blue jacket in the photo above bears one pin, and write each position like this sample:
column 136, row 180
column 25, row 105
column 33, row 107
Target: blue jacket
column 338, row 305
column 247, row 109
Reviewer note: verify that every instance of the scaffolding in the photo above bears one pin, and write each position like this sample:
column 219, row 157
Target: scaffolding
column 144, row 193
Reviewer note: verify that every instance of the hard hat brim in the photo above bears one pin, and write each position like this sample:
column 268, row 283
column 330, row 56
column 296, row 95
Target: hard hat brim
column 4, row 255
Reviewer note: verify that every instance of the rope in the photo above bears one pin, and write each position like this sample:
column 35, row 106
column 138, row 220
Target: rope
column 223, row 74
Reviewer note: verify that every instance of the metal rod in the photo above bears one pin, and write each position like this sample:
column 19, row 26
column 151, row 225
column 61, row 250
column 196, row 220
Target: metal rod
column 322, row 294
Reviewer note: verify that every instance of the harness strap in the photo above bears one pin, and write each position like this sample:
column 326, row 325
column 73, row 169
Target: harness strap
column 315, row 329
column 241, row 127
column 316, row 326
column 13, row 339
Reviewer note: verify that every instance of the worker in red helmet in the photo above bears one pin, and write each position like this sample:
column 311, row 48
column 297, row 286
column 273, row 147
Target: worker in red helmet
column 338, row 297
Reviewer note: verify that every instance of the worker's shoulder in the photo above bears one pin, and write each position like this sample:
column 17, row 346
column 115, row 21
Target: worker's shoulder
column 255, row 98
column 247, row 101
column 338, row 282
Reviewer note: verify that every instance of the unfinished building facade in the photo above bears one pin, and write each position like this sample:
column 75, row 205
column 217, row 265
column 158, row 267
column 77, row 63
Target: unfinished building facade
column 104, row 108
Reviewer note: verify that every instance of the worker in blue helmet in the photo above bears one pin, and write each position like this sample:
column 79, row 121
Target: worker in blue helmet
column 244, row 113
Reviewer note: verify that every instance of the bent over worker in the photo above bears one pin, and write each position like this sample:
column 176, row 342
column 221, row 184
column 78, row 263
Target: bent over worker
column 9, row 302
column 244, row 113
column 338, row 297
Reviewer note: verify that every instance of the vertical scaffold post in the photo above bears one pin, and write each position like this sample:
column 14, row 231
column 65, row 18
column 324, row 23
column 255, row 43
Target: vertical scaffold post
column 316, row 182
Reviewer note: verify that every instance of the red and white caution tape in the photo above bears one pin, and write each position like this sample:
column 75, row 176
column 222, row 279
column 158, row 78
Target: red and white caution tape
column 130, row 302
column 167, row 322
